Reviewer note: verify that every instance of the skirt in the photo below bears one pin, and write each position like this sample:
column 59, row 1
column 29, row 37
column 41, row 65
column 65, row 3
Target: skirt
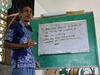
column 23, row 71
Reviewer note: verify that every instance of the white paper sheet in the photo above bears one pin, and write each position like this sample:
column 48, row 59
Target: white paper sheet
column 63, row 37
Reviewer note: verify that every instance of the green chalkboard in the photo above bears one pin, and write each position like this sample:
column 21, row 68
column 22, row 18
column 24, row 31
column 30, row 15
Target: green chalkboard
column 67, row 59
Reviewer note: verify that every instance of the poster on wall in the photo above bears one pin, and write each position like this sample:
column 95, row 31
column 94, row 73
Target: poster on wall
column 63, row 37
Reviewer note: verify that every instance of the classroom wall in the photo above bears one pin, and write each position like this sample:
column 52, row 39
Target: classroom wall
column 87, row 5
column 38, row 10
column 72, row 5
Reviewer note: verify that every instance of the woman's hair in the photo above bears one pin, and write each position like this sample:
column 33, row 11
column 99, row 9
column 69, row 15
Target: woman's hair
column 24, row 4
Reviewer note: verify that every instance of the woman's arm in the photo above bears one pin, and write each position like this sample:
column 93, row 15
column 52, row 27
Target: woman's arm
column 15, row 46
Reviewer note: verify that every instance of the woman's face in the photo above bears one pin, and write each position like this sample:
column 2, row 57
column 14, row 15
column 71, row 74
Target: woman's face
column 26, row 14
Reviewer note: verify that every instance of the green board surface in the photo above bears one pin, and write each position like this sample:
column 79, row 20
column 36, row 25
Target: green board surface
column 67, row 59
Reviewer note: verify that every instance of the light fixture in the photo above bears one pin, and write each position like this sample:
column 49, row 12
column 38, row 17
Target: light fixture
column 2, row 15
column 0, row 58
column 1, row 35
column 1, row 28
column 0, row 49
column 3, row 4
column 2, row 21
column 1, row 42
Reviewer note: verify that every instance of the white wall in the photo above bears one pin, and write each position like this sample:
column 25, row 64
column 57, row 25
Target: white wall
column 71, row 5
column 88, row 5
column 38, row 10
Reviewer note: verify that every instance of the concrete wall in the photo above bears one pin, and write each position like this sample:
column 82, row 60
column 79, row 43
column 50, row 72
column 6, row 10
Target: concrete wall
column 5, row 70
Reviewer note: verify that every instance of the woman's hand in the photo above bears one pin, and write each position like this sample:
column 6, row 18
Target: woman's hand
column 30, row 43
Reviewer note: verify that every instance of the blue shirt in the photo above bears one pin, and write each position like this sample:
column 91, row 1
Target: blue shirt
column 19, row 34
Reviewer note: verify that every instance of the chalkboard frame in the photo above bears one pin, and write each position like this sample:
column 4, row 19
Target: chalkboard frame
column 68, row 59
